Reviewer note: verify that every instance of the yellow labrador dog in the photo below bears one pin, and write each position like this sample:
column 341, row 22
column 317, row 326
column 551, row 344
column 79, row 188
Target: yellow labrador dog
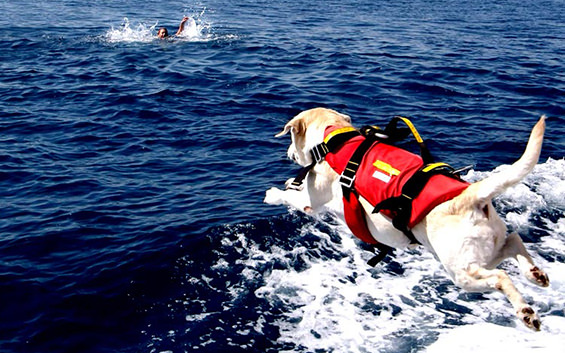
column 465, row 234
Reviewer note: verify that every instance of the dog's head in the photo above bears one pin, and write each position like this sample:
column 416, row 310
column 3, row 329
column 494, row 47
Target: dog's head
column 307, row 130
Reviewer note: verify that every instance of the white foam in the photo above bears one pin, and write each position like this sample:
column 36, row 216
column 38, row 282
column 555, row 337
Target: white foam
column 549, row 181
column 487, row 337
column 342, row 305
column 339, row 305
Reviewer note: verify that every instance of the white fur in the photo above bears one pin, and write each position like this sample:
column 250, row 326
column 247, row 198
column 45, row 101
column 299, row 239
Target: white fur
column 465, row 233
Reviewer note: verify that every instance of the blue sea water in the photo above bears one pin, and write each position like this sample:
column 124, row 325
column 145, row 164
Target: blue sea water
column 132, row 171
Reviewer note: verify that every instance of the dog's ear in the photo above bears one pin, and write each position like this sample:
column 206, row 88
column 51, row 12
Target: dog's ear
column 285, row 131
column 295, row 125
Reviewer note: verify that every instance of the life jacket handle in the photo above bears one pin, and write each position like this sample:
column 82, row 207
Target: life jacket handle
column 398, row 134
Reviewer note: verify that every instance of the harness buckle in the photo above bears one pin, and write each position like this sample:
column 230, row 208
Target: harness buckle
column 346, row 181
column 347, row 178
column 319, row 152
column 374, row 132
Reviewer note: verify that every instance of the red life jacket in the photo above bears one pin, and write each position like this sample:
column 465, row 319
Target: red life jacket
column 381, row 175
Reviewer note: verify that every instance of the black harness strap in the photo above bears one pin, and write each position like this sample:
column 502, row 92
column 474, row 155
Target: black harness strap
column 372, row 134
column 347, row 178
column 299, row 179
column 383, row 251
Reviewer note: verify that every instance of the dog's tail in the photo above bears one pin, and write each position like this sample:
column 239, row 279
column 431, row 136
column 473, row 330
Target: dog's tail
column 480, row 193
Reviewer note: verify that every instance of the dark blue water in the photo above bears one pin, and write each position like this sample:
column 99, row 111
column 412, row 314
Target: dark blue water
column 132, row 170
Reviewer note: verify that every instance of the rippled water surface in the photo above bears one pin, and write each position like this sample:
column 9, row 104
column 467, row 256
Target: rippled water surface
column 132, row 171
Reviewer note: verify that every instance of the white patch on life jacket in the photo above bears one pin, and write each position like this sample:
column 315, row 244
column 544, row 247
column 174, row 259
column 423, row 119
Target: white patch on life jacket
column 381, row 176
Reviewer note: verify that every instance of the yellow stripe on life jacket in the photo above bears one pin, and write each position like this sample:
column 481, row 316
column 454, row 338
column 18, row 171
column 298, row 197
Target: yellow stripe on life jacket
column 337, row 132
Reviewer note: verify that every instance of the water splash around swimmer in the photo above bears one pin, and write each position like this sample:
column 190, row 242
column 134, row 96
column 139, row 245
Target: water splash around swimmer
column 127, row 33
column 194, row 30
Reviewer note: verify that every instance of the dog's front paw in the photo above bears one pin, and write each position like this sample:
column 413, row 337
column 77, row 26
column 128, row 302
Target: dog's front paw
column 273, row 196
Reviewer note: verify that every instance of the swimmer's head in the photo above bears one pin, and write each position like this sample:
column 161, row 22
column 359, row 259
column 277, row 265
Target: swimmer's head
column 162, row 33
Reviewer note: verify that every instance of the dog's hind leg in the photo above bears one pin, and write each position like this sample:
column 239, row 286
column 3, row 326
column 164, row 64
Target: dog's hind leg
column 478, row 279
column 514, row 247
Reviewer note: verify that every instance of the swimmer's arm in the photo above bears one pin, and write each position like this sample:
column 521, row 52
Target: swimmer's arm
column 181, row 26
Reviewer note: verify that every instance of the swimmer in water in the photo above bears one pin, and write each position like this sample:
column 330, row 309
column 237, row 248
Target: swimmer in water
column 163, row 33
